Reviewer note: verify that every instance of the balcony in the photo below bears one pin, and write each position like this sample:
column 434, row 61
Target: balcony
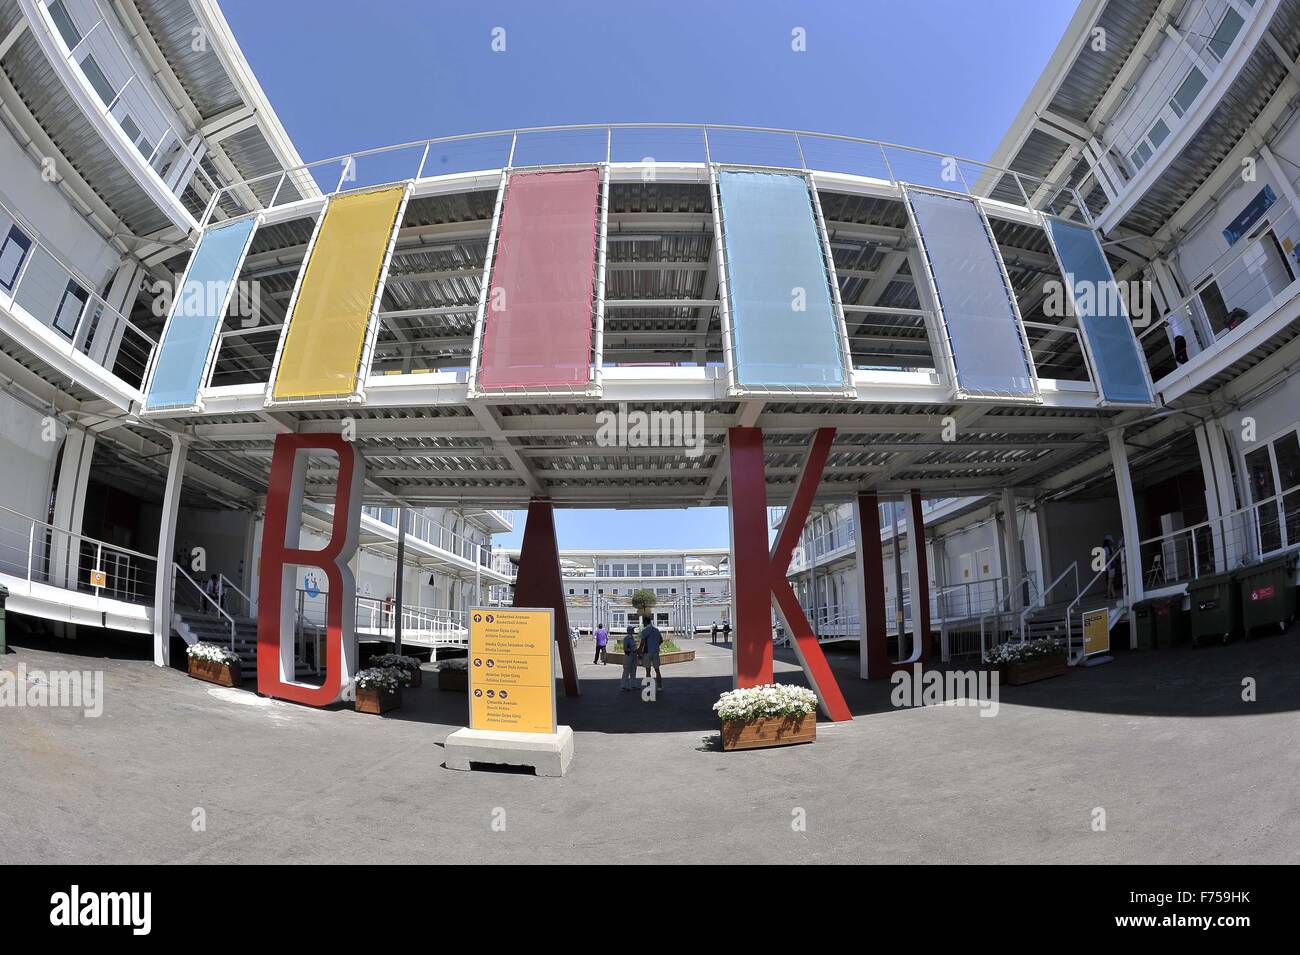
column 94, row 97
column 50, row 309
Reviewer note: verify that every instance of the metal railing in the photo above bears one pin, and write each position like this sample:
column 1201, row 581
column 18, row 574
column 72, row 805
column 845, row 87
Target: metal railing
column 1232, row 290
column 376, row 617
column 205, row 601
column 42, row 553
column 131, row 91
column 58, row 296
column 1071, row 572
column 1255, row 532
column 431, row 532
column 1106, row 572
column 710, row 143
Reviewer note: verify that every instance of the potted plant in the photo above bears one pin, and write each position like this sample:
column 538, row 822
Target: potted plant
column 454, row 675
column 409, row 667
column 770, row 715
column 669, row 652
column 1029, row 661
column 213, row 663
column 378, row 690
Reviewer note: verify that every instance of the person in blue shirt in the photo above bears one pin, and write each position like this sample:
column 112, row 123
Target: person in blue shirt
column 651, row 639
column 602, row 640
column 629, row 658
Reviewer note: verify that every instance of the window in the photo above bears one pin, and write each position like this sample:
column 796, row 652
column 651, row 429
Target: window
column 63, row 21
column 1259, row 474
column 1188, row 92
column 70, row 308
column 1228, row 29
column 12, row 256
column 1140, row 156
column 1158, row 134
column 1216, row 309
column 1287, row 451
column 95, row 76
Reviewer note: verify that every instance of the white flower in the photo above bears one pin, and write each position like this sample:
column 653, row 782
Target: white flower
column 774, row 699
column 385, row 679
column 212, row 653
column 1023, row 652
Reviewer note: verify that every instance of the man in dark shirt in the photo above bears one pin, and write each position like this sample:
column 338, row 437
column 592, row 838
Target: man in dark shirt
column 651, row 639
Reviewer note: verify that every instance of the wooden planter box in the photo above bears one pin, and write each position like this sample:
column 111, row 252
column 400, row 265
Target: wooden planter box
column 376, row 701
column 679, row 656
column 769, row 731
column 219, row 673
column 455, row 680
column 1017, row 674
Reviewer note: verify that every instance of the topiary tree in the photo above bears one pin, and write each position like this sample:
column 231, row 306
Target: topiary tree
column 644, row 600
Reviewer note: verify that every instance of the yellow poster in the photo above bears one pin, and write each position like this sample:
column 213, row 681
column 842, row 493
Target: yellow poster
column 511, row 670
column 1096, row 631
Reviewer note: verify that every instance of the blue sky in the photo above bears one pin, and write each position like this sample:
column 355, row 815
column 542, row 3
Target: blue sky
column 947, row 75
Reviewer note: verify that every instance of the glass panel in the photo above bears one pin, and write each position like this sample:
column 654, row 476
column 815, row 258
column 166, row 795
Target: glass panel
column 1159, row 133
column 1287, row 451
column 1102, row 315
column 98, row 80
column 1188, row 92
column 12, row 255
column 63, row 21
column 70, row 308
column 1226, row 33
column 786, row 330
column 977, row 308
column 1259, row 473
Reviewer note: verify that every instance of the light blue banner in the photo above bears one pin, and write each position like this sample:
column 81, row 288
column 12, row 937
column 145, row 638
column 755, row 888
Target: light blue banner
column 983, row 326
column 1103, row 318
column 786, row 330
column 196, row 315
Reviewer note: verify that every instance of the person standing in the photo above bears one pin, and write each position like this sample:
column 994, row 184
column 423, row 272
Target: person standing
column 602, row 641
column 713, row 634
column 629, row 658
column 651, row 639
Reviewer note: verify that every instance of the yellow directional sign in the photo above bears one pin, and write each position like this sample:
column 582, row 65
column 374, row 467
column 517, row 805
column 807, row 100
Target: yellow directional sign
column 511, row 670
column 1096, row 631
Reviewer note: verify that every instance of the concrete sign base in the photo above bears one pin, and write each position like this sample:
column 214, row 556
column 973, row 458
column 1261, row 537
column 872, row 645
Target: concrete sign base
column 549, row 754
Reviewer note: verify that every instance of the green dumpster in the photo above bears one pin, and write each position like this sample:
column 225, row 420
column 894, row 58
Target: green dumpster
column 1144, row 624
column 4, row 593
column 1268, row 593
column 1216, row 607
column 1171, row 624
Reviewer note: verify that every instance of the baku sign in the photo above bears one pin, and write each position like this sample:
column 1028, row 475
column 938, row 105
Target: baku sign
column 511, row 670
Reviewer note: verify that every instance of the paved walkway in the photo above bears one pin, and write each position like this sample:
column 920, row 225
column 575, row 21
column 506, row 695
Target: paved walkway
column 1185, row 771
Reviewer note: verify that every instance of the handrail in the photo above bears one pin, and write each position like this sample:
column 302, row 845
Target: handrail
column 226, row 582
column 1069, row 611
column 76, row 342
column 1042, row 597
column 800, row 137
column 221, row 611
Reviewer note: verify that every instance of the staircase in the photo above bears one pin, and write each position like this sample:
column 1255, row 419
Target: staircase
column 195, row 626
column 1049, row 622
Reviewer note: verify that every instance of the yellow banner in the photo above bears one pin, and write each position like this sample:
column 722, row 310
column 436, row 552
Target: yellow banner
column 511, row 670
column 336, row 293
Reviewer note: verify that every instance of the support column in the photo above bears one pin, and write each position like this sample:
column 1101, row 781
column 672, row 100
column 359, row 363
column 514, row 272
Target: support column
column 70, row 506
column 751, row 613
column 919, row 574
column 1013, row 566
column 873, row 645
column 1128, row 519
column 540, row 583
column 165, row 576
